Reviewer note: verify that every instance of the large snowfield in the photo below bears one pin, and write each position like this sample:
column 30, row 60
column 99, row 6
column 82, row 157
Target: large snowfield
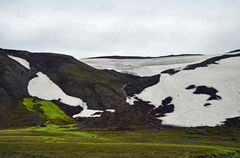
column 190, row 109
column 143, row 67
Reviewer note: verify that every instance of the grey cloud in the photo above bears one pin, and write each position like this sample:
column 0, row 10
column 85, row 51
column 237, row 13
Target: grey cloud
column 128, row 27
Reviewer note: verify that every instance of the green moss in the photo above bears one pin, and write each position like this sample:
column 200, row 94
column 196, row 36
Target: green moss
column 28, row 102
column 48, row 128
column 50, row 111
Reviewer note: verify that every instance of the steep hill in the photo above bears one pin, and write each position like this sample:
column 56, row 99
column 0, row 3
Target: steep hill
column 95, row 98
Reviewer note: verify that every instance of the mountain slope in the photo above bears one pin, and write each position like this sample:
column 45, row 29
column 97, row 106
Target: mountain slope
column 202, row 93
column 46, row 88
column 94, row 97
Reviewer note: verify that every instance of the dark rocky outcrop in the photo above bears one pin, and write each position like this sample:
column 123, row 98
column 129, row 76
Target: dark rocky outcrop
column 211, row 91
column 232, row 122
column 191, row 87
column 207, row 104
column 164, row 108
column 170, row 71
column 210, row 61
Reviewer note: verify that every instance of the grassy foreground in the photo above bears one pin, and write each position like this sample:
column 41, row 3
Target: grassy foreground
column 68, row 142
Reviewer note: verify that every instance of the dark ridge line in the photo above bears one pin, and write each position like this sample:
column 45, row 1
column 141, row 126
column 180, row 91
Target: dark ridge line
column 140, row 57
column 24, row 54
column 204, row 63
column 170, row 71
column 14, row 50
column 210, row 61
column 234, row 51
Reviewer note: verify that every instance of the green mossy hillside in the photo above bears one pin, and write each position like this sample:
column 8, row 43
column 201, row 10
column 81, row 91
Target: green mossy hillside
column 50, row 111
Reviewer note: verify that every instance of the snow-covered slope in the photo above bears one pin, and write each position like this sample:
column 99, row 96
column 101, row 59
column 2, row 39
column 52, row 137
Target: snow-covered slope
column 143, row 67
column 189, row 109
column 95, row 98
column 200, row 96
column 42, row 87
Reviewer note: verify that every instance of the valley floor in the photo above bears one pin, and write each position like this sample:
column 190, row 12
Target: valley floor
column 54, row 142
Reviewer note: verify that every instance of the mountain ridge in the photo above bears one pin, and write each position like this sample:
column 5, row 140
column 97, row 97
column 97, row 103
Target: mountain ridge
column 140, row 57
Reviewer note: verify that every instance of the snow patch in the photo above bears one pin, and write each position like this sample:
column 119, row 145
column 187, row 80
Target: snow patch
column 92, row 113
column 21, row 61
column 110, row 110
column 88, row 113
column 44, row 88
column 131, row 100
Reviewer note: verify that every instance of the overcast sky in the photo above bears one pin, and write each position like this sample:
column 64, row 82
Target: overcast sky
column 86, row 28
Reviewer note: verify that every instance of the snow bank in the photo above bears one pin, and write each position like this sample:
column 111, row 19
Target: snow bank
column 110, row 110
column 42, row 87
column 130, row 100
column 21, row 61
column 88, row 113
